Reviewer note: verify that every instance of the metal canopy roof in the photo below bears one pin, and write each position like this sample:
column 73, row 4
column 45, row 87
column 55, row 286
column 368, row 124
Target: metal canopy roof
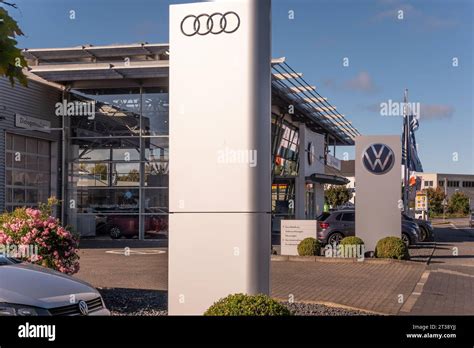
column 304, row 97
column 45, row 55
column 327, row 179
column 150, row 61
column 102, row 71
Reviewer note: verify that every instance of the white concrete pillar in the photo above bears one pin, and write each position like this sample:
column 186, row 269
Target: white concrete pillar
column 220, row 157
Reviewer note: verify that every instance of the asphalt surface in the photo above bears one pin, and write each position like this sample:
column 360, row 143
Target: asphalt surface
column 133, row 276
column 449, row 287
column 135, row 280
column 121, row 265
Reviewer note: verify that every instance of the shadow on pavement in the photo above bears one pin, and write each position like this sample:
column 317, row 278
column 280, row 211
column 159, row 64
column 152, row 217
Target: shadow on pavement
column 453, row 235
column 423, row 245
column 121, row 243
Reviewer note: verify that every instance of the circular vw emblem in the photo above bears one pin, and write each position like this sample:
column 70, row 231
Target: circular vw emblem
column 378, row 159
column 215, row 23
column 83, row 308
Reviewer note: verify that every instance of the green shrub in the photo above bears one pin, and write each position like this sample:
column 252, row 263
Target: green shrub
column 309, row 247
column 352, row 241
column 247, row 305
column 391, row 248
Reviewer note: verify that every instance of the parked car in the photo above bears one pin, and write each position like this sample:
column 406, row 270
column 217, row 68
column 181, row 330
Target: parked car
column 100, row 224
column 471, row 220
column 128, row 225
column 426, row 228
column 30, row 290
column 334, row 226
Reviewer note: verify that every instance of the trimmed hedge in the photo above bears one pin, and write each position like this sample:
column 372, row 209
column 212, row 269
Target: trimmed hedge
column 309, row 247
column 352, row 241
column 392, row 248
column 247, row 305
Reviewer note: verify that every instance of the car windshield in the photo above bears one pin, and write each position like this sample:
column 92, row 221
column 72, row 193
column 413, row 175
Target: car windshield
column 7, row 260
column 3, row 260
column 323, row 216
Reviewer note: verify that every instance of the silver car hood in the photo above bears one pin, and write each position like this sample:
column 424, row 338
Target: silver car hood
column 37, row 286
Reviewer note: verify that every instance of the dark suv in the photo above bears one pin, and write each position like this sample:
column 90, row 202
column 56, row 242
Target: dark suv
column 336, row 225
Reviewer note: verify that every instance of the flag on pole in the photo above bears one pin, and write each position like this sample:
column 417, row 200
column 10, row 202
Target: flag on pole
column 410, row 124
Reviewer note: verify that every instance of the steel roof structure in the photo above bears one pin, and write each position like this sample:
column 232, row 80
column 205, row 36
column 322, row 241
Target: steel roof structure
column 143, row 62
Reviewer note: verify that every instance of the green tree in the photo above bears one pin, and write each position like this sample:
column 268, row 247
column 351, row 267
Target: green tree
column 101, row 170
column 11, row 60
column 458, row 203
column 337, row 195
column 133, row 176
column 435, row 199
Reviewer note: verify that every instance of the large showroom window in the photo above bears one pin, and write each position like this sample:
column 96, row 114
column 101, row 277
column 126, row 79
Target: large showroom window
column 28, row 171
column 285, row 138
column 118, row 164
column 285, row 144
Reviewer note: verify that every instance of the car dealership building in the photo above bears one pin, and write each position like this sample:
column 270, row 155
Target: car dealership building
column 92, row 129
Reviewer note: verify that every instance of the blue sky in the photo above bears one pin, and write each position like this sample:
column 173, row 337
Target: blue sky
column 386, row 55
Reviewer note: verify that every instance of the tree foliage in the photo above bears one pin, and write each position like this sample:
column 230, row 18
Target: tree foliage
column 11, row 60
column 458, row 203
column 337, row 195
column 100, row 169
column 435, row 199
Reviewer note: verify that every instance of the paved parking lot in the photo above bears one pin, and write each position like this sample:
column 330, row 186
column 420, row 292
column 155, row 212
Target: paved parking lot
column 449, row 287
column 146, row 267
column 373, row 287
column 445, row 286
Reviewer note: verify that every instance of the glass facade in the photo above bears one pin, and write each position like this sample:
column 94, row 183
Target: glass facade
column 285, row 145
column 118, row 164
column 28, row 171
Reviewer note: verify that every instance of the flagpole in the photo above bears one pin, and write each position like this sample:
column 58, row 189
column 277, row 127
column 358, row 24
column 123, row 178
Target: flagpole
column 407, row 151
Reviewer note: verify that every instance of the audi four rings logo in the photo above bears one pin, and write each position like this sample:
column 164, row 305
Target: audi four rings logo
column 215, row 23
column 378, row 159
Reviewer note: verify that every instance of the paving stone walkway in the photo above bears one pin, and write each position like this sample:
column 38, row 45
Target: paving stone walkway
column 449, row 287
column 378, row 287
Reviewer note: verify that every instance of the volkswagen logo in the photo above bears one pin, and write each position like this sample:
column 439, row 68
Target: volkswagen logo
column 215, row 23
column 83, row 308
column 378, row 159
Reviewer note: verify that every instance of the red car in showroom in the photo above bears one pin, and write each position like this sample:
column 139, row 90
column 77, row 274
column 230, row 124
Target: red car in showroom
column 127, row 226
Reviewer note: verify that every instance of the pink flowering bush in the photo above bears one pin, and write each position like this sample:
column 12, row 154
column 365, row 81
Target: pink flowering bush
column 56, row 245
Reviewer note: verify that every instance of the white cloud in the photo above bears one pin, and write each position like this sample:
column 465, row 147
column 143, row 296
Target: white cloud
column 436, row 111
column 424, row 19
column 362, row 82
